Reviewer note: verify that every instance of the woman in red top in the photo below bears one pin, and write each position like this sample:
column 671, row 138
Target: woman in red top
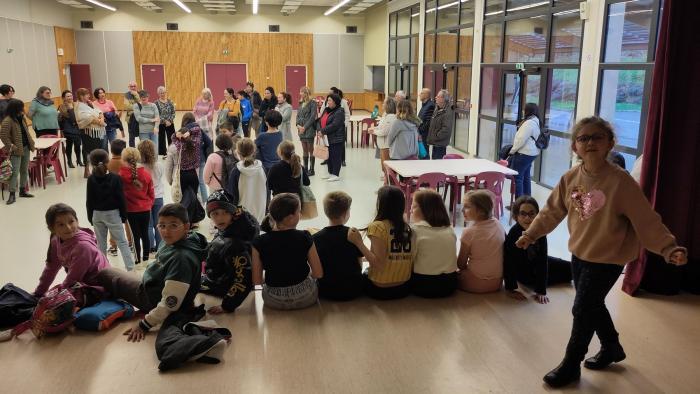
column 139, row 194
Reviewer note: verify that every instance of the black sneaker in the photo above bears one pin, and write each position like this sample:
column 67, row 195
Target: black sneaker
column 24, row 194
column 563, row 374
column 604, row 358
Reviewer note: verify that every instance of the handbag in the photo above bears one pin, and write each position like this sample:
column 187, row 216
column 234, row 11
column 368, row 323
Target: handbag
column 6, row 168
column 422, row 152
column 176, row 189
column 320, row 149
column 309, row 210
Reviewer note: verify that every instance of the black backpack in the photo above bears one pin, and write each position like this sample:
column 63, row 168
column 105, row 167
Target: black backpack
column 542, row 141
column 228, row 164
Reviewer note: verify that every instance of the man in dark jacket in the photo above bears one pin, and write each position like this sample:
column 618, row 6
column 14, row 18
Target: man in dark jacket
column 256, row 101
column 425, row 113
column 441, row 124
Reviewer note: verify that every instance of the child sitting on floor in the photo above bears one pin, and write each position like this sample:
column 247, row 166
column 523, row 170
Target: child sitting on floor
column 72, row 247
column 480, row 257
column 228, row 269
column 340, row 258
column 531, row 267
column 285, row 254
column 171, row 282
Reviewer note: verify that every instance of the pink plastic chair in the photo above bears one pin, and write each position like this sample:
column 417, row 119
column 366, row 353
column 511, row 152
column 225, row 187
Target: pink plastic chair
column 454, row 183
column 364, row 131
column 452, row 156
column 431, row 180
column 492, row 181
column 512, row 188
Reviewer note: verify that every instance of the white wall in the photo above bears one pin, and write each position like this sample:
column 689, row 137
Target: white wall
column 43, row 12
column 338, row 61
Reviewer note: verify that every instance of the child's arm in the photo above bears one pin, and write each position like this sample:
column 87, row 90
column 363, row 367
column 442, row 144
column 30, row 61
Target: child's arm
column 209, row 169
column 549, row 217
column 465, row 250
column 315, row 263
column 257, row 268
column 376, row 256
column 50, row 270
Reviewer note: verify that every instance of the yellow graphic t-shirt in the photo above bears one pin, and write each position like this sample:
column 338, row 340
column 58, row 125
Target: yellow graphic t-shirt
column 399, row 256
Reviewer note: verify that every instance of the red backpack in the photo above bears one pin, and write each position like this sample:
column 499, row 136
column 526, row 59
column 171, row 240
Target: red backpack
column 54, row 313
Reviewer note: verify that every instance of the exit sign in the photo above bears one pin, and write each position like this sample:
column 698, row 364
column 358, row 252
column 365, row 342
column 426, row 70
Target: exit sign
column 520, row 66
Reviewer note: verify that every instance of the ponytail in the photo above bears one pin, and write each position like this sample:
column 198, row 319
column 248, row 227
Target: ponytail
column 246, row 151
column 99, row 159
column 285, row 150
column 296, row 165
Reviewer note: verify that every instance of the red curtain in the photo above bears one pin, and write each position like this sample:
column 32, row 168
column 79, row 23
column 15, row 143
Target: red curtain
column 671, row 171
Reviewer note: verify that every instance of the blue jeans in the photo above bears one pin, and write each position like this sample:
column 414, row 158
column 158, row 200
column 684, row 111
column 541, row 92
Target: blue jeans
column 522, row 163
column 202, row 185
column 150, row 136
column 111, row 135
column 153, row 234
column 105, row 221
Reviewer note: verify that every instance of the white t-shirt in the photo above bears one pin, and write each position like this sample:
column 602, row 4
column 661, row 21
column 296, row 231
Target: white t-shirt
column 436, row 249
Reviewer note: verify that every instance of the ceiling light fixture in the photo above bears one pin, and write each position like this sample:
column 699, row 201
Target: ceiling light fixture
column 255, row 7
column 335, row 7
column 183, row 6
column 103, row 5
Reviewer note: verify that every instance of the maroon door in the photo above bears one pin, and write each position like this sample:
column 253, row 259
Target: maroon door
column 152, row 77
column 295, row 77
column 221, row 76
column 80, row 77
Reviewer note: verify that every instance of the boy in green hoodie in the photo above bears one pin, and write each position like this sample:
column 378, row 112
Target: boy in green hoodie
column 171, row 282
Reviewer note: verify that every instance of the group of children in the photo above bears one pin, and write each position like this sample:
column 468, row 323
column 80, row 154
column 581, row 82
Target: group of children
column 608, row 217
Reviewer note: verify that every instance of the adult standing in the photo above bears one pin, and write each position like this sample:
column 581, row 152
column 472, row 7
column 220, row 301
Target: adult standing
column 425, row 114
column 91, row 124
column 403, row 136
column 381, row 131
column 111, row 114
column 441, row 125
column 306, row 127
column 6, row 93
column 285, row 108
column 43, row 114
column 166, row 128
column 148, row 118
column 203, row 110
column 346, row 108
column 231, row 108
column 69, row 127
column 131, row 98
column 256, row 101
column 14, row 134
column 524, row 150
column 188, row 145
column 333, row 126
column 268, row 104
column 399, row 95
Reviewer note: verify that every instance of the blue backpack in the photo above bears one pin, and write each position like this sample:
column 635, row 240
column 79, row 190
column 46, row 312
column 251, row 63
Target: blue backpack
column 102, row 315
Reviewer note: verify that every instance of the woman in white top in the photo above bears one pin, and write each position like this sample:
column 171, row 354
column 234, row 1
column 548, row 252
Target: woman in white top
column 435, row 265
column 382, row 130
column 524, row 150
column 284, row 107
column 91, row 123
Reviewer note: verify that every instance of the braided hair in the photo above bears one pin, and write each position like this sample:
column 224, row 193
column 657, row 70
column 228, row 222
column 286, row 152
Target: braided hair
column 132, row 157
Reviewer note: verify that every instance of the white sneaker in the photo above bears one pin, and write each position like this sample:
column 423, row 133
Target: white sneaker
column 333, row 178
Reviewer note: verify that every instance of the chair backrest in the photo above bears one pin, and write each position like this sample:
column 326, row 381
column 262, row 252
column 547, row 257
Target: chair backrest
column 492, row 180
column 432, row 179
column 452, row 156
column 53, row 152
column 367, row 123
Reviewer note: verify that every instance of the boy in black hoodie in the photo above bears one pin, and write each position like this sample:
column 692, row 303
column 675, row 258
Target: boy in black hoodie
column 228, row 267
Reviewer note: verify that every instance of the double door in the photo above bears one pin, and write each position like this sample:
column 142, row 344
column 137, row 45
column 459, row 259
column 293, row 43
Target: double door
column 219, row 76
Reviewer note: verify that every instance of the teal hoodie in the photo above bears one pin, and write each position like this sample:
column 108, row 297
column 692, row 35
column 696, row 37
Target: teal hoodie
column 173, row 279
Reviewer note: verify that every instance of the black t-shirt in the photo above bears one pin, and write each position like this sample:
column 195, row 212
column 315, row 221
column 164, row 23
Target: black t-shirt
column 338, row 255
column 279, row 179
column 284, row 256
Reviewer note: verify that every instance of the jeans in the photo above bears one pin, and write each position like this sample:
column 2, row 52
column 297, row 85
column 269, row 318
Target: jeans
column 20, row 165
column 153, row 234
column 439, row 152
column 301, row 295
column 593, row 282
column 110, row 135
column 335, row 158
column 105, row 221
column 202, row 185
column 150, row 136
column 522, row 164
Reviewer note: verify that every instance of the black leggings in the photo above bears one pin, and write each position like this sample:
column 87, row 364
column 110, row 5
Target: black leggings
column 386, row 293
column 593, row 281
column 434, row 286
column 73, row 143
column 138, row 221
column 165, row 135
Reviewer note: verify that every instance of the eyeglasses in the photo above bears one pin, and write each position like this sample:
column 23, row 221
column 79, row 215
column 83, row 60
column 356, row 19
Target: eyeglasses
column 169, row 226
column 527, row 214
column 582, row 139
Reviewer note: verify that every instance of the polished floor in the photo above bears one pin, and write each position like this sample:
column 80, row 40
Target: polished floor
column 466, row 344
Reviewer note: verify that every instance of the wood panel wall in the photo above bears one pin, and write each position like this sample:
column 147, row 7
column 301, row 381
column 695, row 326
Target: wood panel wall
column 184, row 55
column 65, row 39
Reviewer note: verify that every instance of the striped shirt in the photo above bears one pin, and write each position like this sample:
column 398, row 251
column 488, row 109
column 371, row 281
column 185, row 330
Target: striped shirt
column 399, row 257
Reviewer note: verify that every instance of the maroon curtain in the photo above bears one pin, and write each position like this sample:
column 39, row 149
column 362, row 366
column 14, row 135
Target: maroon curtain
column 670, row 170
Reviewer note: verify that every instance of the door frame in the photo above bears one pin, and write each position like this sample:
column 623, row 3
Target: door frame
column 165, row 80
column 204, row 68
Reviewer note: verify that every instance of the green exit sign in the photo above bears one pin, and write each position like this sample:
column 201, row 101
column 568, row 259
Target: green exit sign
column 520, row 66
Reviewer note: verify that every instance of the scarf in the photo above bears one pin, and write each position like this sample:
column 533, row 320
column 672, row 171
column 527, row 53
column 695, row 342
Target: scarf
column 43, row 101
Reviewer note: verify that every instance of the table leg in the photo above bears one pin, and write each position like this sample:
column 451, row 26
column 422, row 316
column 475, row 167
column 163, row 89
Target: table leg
column 65, row 161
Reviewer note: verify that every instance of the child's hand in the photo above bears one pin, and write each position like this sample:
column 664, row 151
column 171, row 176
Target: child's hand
column 354, row 236
column 541, row 299
column 216, row 310
column 679, row 257
column 524, row 241
column 516, row 295
column 135, row 333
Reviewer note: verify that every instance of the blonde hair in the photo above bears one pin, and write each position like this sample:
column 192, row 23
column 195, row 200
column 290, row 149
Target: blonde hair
column 207, row 92
column 285, row 150
column 147, row 149
column 305, row 94
column 131, row 156
column 404, row 110
column 482, row 200
column 246, row 151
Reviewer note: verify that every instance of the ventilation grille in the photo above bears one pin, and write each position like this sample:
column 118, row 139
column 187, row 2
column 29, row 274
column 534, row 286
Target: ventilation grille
column 351, row 29
column 171, row 26
column 273, row 28
column 86, row 24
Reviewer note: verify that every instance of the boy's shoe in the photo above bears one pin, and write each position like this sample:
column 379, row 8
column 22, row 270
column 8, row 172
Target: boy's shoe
column 564, row 374
column 333, row 178
column 112, row 251
column 605, row 357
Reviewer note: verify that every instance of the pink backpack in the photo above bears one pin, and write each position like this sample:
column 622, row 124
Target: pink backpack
column 54, row 313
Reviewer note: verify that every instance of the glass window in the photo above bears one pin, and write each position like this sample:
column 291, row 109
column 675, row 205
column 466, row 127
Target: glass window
column 404, row 23
column 629, row 160
column 562, row 3
column 464, row 88
column 621, row 96
column 493, row 8
column 487, row 139
column 567, row 33
column 466, row 45
column 511, row 96
column 402, row 78
column 430, row 73
column 508, row 135
column 556, row 160
column 448, row 13
column 519, row 6
column 466, row 12
column 447, row 46
column 533, row 89
column 627, row 36
column 415, row 20
column 526, row 39
column 462, row 130
column 430, row 15
column 392, row 51
column 492, row 43
column 429, row 48
column 392, row 25
column 392, row 80
column 561, row 99
column 490, row 85
column 451, row 84
column 402, row 50
column 414, row 49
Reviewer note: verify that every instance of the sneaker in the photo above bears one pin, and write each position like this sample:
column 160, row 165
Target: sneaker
column 325, row 177
column 333, row 178
column 112, row 251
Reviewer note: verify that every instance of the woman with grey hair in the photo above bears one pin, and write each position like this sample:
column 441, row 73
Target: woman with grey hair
column 441, row 124
column 148, row 117
column 166, row 128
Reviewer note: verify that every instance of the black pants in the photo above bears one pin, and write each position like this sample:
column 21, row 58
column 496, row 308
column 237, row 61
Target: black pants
column 434, row 286
column 386, row 293
column 73, row 143
column 246, row 129
column 165, row 135
column 138, row 221
column 341, row 289
column 189, row 183
column 133, row 130
column 438, row 152
column 558, row 271
column 89, row 145
column 39, row 133
column 125, row 286
column 335, row 157
column 593, row 281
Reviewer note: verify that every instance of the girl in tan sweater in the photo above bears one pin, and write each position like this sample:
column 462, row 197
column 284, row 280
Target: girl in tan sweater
column 608, row 218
